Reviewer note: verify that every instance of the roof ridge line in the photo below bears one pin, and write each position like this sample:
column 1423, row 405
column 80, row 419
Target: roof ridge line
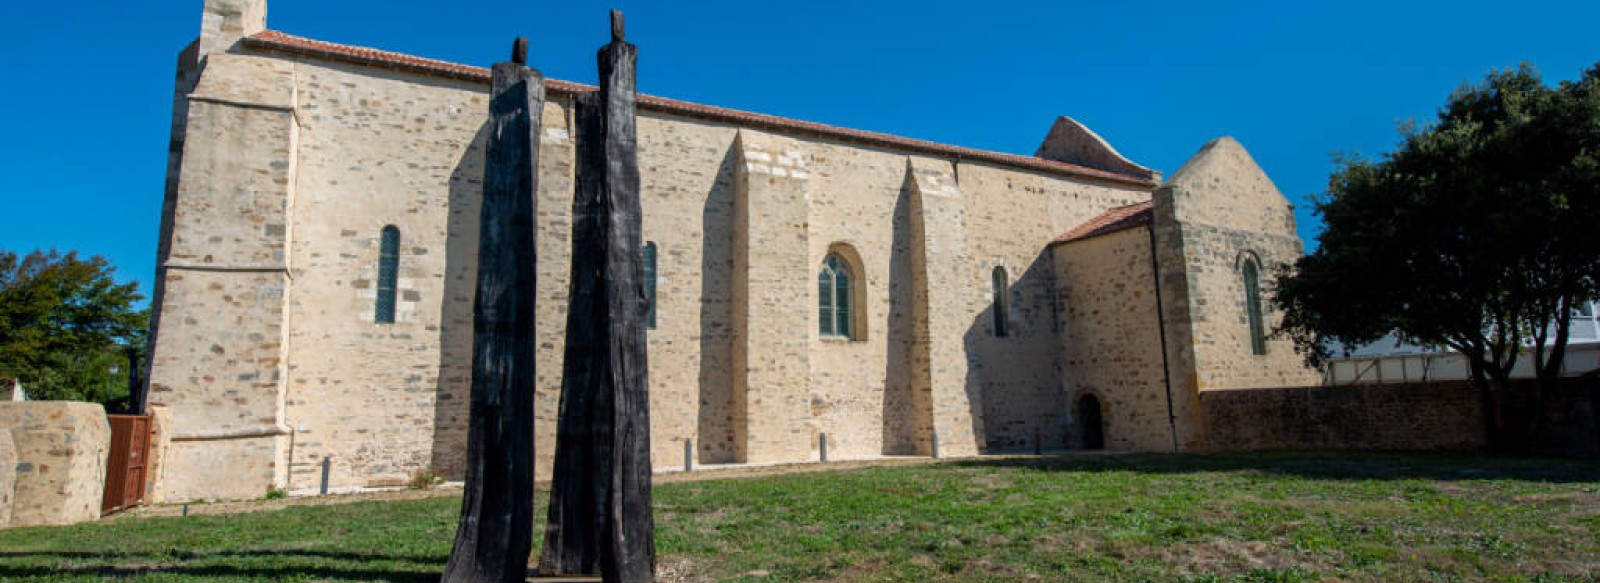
column 277, row 41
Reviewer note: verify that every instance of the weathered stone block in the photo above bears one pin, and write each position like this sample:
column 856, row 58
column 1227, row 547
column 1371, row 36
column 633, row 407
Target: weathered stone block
column 8, row 477
column 224, row 22
column 61, row 452
column 160, row 446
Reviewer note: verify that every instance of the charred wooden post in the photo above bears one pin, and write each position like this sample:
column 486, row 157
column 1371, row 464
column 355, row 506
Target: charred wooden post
column 495, row 535
column 572, row 533
column 628, row 555
column 600, row 500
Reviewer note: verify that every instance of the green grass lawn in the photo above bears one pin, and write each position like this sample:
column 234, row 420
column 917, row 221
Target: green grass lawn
column 1257, row 517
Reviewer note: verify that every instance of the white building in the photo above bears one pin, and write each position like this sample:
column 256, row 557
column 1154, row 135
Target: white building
column 1391, row 360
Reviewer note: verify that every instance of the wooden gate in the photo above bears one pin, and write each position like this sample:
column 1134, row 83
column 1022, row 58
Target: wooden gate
column 130, row 455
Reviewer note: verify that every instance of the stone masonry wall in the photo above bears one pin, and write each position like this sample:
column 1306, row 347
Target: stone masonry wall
column 356, row 148
column 1111, row 339
column 220, row 350
column 853, row 195
column 1010, row 216
column 858, row 397
column 689, row 183
column 1436, row 416
column 380, row 424
column 1408, row 417
column 1227, row 212
column 375, row 415
column 940, row 395
column 61, row 451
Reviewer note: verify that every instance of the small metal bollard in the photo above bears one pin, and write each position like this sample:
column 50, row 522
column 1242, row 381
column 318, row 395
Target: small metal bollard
column 1038, row 445
column 824, row 448
column 185, row 509
column 935, row 445
column 327, row 469
column 688, row 455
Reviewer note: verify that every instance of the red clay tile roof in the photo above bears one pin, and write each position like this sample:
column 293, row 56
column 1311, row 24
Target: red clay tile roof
column 274, row 41
column 1117, row 219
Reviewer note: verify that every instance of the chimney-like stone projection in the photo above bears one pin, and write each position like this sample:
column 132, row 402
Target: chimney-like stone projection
column 224, row 22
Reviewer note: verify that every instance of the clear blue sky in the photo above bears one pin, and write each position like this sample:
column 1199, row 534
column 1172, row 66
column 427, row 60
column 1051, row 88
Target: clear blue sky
column 88, row 88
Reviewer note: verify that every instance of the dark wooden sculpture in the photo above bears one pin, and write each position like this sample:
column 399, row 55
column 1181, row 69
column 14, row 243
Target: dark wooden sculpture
column 600, row 500
column 496, row 531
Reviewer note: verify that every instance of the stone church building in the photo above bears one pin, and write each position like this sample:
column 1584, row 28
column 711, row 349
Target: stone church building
column 316, row 278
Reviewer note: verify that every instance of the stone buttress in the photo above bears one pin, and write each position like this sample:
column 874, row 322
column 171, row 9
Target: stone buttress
column 771, row 319
column 944, row 269
column 219, row 359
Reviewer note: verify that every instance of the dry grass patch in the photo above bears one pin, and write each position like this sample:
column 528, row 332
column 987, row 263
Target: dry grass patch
column 1256, row 517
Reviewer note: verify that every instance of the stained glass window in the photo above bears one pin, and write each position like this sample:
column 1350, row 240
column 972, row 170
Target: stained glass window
column 1002, row 305
column 1252, row 301
column 833, row 293
column 388, row 274
column 650, row 284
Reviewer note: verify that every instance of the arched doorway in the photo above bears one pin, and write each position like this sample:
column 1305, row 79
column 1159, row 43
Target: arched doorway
column 1090, row 425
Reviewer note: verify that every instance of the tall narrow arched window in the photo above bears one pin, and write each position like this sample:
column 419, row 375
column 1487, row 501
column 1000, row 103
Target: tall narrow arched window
column 1252, row 306
column 1002, row 305
column 833, row 293
column 388, row 274
column 650, row 284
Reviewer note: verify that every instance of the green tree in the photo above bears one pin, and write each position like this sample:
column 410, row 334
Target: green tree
column 64, row 323
column 1480, row 232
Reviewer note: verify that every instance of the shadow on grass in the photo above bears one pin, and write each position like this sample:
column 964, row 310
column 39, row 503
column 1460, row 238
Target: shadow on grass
column 1322, row 465
column 271, row 573
column 404, row 568
column 197, row 555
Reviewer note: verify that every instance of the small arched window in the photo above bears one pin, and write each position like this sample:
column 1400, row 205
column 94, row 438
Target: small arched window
column 1002, row 305
column 1252, row 306
column 833, row 293
column 388, row 274
column 650, row 284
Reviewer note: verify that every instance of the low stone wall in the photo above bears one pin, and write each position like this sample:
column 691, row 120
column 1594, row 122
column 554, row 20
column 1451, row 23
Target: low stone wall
column 61, row 450
column 1405, row 417
column 1435, row 416
column 8, row 477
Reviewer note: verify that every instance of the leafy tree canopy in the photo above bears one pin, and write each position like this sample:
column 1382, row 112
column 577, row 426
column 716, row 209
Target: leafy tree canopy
column 64, row 322
column 1480, row 232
